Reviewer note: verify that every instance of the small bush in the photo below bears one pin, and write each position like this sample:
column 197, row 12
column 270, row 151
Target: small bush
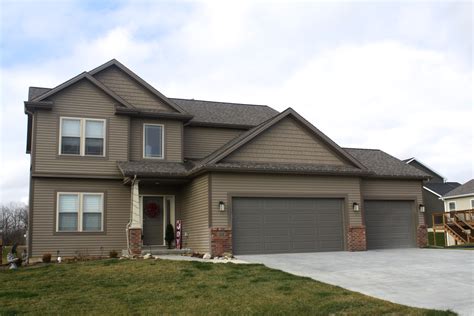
column 46, row 258
column 113, row 254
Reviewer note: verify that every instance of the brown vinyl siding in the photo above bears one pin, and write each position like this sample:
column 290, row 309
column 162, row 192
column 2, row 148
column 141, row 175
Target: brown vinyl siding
column 173, row 139
column 130, row 90
column 274, row 185
column 116, row 216
column 395, row 189
column 199, row 142
column 80, row 100
column 195, row 214
column 286, row 142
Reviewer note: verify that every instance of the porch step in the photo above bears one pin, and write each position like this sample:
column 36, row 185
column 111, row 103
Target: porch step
column 164, row 251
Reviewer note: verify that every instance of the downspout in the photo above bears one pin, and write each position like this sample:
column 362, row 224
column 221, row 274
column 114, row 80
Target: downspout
column 131, row 215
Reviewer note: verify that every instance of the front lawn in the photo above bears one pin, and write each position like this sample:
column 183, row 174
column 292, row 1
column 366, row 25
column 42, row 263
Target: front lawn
column 170, row 287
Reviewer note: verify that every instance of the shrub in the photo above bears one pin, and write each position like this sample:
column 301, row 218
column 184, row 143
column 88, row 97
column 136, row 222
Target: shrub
column 46, row 258
column 113, row 254
column 169, row 235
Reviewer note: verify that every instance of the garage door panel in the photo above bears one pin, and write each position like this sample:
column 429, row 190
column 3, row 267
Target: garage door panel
column 287, row 225
column 389, row 224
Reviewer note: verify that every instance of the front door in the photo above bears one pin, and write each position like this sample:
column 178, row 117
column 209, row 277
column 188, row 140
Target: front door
column 153, row 213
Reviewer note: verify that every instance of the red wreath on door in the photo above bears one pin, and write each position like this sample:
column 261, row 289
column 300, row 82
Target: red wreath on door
column 152, row 209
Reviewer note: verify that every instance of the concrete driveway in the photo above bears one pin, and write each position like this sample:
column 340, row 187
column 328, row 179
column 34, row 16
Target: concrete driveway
column 429, row 278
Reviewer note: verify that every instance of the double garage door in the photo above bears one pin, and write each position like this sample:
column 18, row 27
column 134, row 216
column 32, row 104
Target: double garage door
column 285, row 225
column 292, row 225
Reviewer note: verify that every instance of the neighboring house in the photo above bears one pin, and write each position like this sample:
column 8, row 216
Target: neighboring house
column 433, row 189
column 460, row 199
column 113, row 161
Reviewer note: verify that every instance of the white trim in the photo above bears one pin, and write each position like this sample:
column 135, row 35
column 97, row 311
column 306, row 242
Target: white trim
column 444, row 198
column 472, row 200
column 431, row 191
column 427, row 167
column 162, row 141
column 82, row 136
column 80, row 212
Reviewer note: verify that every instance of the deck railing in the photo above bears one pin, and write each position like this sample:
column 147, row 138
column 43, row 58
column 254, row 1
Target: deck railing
column 460, row 224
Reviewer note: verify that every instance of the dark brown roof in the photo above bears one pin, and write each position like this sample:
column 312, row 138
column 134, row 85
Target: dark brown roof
column 465, row 189
column 34, row 92
column 441, row 188
column 145, row 168
column 225, row 113
column 382, row 164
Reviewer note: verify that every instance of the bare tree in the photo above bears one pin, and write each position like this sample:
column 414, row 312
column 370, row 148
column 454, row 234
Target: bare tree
column 14, row 223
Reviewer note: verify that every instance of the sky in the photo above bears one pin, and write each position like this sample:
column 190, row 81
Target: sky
column 395, row 75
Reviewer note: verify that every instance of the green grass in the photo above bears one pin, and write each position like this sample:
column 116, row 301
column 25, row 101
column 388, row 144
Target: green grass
column 439, row 239
column 178, row 287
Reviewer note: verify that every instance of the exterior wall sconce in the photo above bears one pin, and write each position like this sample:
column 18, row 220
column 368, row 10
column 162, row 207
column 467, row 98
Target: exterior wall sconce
column 355, row 207
column 221, row 206
column 421, row 207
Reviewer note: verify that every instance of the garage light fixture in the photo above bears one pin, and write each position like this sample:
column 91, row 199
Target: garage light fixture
column 221, row 206
column 421, row 207
column 355, row 207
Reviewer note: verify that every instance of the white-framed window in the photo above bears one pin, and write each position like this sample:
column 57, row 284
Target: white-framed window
column 452, row 206
column 153, row 141
column 472, row 203
column 80, row 212
column 82, row 136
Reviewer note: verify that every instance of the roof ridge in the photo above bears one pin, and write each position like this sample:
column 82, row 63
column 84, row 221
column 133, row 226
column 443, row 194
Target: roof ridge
column 375, row 149
column 231, row 103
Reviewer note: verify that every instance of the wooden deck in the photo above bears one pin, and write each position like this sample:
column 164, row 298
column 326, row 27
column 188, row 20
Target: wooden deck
column 458, row 224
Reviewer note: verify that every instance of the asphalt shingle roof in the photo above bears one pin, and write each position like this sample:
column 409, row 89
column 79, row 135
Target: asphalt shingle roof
column 34, row 92
column 144, row 168
column 442, row 188
column 212, row 112
column 466, row 188
column 384, row 165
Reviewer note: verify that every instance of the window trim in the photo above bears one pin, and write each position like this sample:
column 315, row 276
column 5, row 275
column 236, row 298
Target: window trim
column 80, row 212
column 455, row 206
column 472, row 203
column 82, row 136
column 162, row 141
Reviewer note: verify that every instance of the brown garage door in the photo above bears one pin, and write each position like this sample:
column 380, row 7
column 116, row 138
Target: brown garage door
column 286, row 225
column 389, row 224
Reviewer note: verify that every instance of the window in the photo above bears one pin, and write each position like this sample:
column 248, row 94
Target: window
column 452, row 206
column 153, row 141
column 82, row 137
column 472, row 203
column 81, row 212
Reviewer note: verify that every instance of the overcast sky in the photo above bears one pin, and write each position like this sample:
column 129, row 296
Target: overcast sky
column 393, row 75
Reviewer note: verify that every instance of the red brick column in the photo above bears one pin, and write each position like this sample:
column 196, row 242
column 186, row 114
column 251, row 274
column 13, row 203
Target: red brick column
column 135, row 239
column 356, row 240
column 422, row 236
column 221, row 240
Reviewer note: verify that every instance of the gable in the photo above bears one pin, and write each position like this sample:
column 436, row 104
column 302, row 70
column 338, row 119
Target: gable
column 287, row 141
column 435, row 177
column 130, row 90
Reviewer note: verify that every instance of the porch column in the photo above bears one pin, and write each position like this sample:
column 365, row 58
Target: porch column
column 135, row 229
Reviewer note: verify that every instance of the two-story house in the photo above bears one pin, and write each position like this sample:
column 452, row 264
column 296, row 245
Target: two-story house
column 113, row 161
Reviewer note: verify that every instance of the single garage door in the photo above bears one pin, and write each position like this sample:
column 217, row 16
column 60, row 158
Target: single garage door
column 389, row 224
column 285, row 225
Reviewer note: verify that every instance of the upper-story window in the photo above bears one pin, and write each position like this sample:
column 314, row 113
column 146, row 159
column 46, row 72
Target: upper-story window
column 82, row 137
column 153, row 139
column 452, row 206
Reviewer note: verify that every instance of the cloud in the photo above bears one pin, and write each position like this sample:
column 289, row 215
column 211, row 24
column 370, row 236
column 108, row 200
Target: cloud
column 366, row 75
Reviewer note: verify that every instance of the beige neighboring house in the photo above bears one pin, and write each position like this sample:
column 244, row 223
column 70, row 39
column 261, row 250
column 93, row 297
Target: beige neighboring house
column 459, row 199
column 114, row 161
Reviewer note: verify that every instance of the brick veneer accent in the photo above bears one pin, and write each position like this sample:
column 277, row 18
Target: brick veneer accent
column 135, row 239
column 221, row 240
column 356, row 240
column 422, row 236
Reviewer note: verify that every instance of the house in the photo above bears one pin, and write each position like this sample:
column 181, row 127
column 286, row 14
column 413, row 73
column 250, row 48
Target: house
column 113, row 161
column 456, row 201
column 433, row 189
